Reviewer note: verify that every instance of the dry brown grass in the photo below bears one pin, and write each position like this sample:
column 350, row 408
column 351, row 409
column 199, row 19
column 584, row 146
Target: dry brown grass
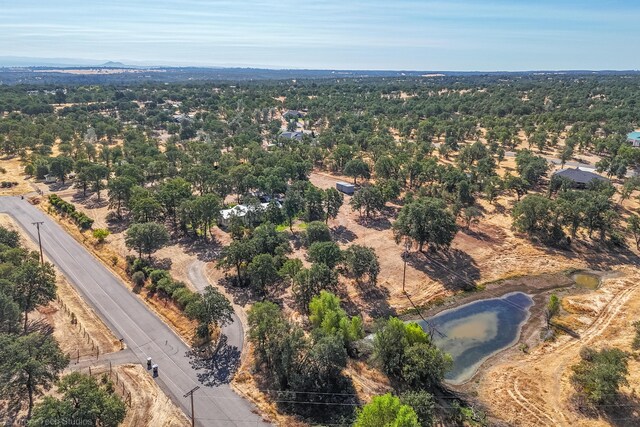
column 14, row 173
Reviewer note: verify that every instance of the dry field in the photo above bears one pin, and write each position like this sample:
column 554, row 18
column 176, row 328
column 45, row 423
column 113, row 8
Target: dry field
column 489, row 251
column 14, row 173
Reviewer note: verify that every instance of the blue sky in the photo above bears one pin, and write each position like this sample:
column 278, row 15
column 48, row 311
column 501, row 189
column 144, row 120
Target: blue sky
column 337, row 34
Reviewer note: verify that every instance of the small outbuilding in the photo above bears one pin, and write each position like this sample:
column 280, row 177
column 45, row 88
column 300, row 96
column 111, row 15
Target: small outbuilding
column 634, row 138
column 579, row 177
column 345, row 187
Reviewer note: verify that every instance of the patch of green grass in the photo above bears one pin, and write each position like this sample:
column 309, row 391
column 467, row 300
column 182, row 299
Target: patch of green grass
column 282, row 227
column 302, row 225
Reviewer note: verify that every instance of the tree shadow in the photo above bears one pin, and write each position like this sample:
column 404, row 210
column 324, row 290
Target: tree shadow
column 162, row 263
column 453, row 268
column 94, row 203
column 312, row 400
column 59, row 186
column 206, row 251
column 218, row 363
column 342, row 234
column 477, row 234
column 626, row 411
column 117, row 225
column 374, row 301
column 242, row 295
column 10, row 413
column 597, row 255
column 378, row 223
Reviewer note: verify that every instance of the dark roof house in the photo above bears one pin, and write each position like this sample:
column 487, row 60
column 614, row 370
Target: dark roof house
column 292, row 135
column 579, row 177
column 292, row 114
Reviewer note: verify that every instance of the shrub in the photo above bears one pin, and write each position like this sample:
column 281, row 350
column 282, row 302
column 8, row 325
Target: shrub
column 599, row 375
column 183, row 297
column 100, row 234
column 157, row 275
column 636, row 339
column 138, row 278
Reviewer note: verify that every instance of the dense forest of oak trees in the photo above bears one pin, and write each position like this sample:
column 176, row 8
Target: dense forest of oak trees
column 221, row 145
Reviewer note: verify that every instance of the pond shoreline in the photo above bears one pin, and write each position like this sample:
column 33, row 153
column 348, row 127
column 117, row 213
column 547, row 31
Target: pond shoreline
column 538, row 287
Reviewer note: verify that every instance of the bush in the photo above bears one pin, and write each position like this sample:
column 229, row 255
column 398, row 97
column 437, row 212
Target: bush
column 100, row 234
column 183, row 297
column 138, row 278
column 157, row 275
column 600, row 374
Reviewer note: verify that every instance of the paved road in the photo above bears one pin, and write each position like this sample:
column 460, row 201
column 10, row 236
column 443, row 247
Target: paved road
column 143, row 332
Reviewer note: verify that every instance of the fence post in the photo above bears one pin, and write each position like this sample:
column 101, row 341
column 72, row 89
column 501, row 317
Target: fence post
column 78, row 359
column 98, row 353
column 90, row 371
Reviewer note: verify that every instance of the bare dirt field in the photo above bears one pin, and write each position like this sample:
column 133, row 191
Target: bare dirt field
column 487, row 252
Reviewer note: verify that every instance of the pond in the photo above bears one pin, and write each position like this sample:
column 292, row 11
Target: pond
column 473, row 332
column 586, row 280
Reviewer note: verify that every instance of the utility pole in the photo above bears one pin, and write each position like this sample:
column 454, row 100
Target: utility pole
column 193, row 415
column 38, row 224
column 405, row 254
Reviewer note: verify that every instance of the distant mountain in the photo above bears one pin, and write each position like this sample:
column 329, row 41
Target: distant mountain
column 115, row 64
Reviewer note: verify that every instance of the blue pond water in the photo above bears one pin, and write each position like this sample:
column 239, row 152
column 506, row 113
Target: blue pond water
column 475, row 331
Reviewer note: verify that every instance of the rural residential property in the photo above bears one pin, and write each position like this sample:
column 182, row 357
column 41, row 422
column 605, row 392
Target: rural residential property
column 354, row 214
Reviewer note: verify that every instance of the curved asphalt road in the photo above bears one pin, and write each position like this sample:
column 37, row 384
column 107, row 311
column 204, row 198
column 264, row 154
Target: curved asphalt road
column 143, row 332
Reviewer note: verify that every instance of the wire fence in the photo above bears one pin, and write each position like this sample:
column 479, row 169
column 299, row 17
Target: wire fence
column 95, row 349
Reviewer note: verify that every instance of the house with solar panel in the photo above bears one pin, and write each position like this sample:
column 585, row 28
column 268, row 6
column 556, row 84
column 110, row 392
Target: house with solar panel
column 634, row 138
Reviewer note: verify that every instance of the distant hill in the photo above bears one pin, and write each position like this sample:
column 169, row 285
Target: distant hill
column 114, row 64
